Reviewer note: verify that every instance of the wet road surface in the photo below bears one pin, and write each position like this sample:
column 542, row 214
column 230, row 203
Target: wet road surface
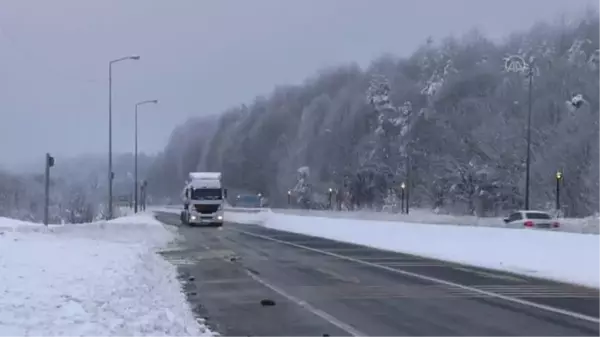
column 251, row 280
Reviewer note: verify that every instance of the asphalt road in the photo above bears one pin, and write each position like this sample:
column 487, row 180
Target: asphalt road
column 314, row 286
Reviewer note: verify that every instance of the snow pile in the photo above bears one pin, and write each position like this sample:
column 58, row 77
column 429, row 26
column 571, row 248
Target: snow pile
column 141, row 228
column 123, row 211
column 90, row 279
column 566, row 257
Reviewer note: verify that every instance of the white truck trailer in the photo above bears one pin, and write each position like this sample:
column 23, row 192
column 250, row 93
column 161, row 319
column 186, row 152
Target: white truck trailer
column 203, row 199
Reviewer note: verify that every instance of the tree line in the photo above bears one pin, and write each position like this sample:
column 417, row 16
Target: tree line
column 449, row 122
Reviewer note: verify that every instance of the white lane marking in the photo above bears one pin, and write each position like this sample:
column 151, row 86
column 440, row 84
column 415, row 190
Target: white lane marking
column 490, row 275
column 320, row 313
column 436, row 280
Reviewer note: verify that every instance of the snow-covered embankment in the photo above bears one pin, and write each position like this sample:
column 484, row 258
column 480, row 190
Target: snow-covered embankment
column 566, row 257
column 103, row 278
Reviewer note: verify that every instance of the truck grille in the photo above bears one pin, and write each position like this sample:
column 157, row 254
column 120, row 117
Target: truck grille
column 206, row 208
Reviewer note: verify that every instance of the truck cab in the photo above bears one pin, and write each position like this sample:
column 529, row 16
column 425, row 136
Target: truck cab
column 203, row 199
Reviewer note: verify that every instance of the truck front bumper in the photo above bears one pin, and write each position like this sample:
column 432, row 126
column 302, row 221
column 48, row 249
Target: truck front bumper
column 206, row 219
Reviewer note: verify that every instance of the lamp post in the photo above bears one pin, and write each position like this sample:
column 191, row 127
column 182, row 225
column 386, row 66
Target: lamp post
column 558, row 179
column 110, row 171
column 402, row 188
column 135, row 170
column 515, row 63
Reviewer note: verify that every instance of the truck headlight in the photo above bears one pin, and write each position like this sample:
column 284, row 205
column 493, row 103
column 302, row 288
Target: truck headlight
column 219, row 217
column 193, row 217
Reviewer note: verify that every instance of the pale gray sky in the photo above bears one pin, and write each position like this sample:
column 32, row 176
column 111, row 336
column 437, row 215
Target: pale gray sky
column 198, row 57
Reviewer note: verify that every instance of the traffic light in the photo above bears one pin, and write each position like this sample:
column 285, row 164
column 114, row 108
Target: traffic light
column 49, row 160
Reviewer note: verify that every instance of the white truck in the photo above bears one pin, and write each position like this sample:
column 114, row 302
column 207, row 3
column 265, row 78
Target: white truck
column 203, row 199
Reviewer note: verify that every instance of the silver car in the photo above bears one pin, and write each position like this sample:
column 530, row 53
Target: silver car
column 532, row 220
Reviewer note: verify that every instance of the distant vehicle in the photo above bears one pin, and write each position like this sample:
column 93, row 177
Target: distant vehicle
column 531, row 219
column 203, row 199
column 247, row 201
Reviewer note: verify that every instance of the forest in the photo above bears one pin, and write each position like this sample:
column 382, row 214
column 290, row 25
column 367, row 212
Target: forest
column 449, row 122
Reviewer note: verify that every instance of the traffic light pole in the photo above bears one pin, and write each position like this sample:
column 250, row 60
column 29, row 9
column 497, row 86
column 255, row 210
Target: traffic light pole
column 49, row 163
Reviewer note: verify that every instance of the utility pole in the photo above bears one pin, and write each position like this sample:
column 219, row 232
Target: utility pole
column 48, row 165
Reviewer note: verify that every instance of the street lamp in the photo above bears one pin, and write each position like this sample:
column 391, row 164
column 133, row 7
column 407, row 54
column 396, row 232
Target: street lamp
column 110, row 171
column 559, row 176
column 135, row 174
column 515, row 63
column 403, row 187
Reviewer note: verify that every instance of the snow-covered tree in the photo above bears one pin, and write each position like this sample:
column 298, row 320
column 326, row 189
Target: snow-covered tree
column 448, row 120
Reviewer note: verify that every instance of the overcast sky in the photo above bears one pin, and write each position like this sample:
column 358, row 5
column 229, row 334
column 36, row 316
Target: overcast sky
column 198, row 57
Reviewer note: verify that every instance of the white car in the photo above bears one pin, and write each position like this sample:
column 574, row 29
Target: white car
column 531, row 219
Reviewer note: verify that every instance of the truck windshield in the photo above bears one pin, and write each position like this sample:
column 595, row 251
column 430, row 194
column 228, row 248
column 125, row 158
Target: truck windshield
column 206, row 194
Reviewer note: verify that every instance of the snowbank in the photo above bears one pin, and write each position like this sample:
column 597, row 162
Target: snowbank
column 589, row 225
column 91, row 279
column 123, row 211
column 565, row 257
column 141, row 228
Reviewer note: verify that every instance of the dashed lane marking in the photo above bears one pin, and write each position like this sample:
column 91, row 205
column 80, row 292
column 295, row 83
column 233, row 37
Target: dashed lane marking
column 436, row 280
column 318, row 312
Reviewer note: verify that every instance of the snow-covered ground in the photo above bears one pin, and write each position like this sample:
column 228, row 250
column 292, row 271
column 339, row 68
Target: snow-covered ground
column 247, row 216
column 566, row 257
column 103, row 278
column 589, row 225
